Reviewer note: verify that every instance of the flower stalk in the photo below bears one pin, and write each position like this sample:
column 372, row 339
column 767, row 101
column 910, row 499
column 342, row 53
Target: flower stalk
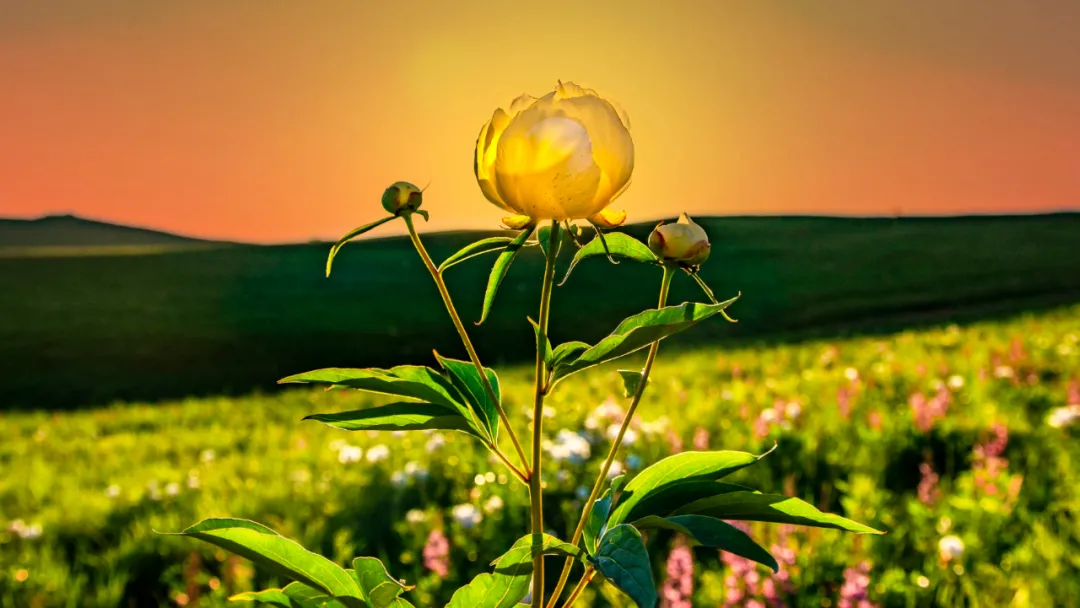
column 535, row 479
column 436, row 274
column 665, row 287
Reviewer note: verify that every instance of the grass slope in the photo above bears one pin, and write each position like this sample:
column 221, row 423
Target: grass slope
column 81, row 330
column 68, row 231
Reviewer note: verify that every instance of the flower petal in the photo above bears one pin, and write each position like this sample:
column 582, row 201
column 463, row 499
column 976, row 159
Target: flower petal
column 516, row 222
column 608, row 218
column 613, row 148
column 544, row 166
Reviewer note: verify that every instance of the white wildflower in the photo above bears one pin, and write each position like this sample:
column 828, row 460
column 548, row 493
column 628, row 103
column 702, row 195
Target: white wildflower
column 950, row 547
column 956, row 382
column 493, row 504
column 435, row 442
column 415, row 516
column 207, row 455
column 616, row 469
column 1061, row 417
column 172, row 488
column 349, row 453
column 112, row 491
column 466, row 515
column 378, row 452
column 851, row 374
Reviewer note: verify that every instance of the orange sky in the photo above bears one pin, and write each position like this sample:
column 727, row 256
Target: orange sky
column 282, row 120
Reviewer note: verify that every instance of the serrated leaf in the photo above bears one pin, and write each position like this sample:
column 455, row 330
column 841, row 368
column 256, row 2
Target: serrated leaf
column 672, row 496
column 543, row 345
column 378, row 586
column 567, row 350
column 488, row 245
column 774, row 508
column 273, row 597
column 597, row 521
column 352, row 234
column 466, row 379
column 498, row 271
column 618, row 245
column 712, row 533
column 675, row 469
column 631, row 380
column 400, row 416
column 622, row 559
column 278, row 554
column 639, row 331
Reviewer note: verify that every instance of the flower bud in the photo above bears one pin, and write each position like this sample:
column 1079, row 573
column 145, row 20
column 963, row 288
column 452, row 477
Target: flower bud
column 401, row 197
column 683, row 241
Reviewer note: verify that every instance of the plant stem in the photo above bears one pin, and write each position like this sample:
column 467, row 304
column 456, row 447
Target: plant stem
column 665, row 286
column 535, row 479
column 584, row 582
column 445, row 293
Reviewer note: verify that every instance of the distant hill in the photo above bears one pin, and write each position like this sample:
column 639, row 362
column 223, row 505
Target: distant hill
column 74, row 231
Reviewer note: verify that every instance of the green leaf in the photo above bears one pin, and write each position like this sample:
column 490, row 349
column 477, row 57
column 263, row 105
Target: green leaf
column 355, row 232
column 639, row 331
column 595, row 524
column 665, row 500
column 543, row 235
column 622, row 559
column 523, row 550
column 774, row 508
column 674, row 469
column 567, row 350
column 400, row 416
column 504, row 588
column 498, row 271
column 543, row 345
column 304, row 596
column 279, row 555
column 273, row 597
column 378, row 586
column 467, row 381
column 489, row 245
column 631, row 379
column 619, row 245
column 712, row 533
column 413, row 381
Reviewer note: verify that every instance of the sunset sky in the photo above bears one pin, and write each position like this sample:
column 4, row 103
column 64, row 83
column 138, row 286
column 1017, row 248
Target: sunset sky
column 283, row 120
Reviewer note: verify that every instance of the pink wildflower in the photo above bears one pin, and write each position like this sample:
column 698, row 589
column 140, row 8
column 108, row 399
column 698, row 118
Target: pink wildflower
column 928, row 490
column 853, row 593
column 679, row 586
column 437, row 553
column 701, row 439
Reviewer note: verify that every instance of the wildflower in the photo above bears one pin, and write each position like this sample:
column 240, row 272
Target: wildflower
column 569, row 446
column 629, row 437
column 112, row 491
column 493, row 504
column 950, row 547
column 436, row 442
column 633, row 462
column 1074, row 393
column 377, row 453
column 172, row 488
column 956, row 382
column 851, row 374
column 437, row 553
column 466, row 515
column 1061, row 417
column 616, row 469
column 928, row 490
column 349, row 453
column 582, row 492
column 701, row 439
column 300, row 476
column 564, row 156
column 193, row 480
column 415, row 469
column 683, row 241
column 398, row 479
column 415, row 516
column 29, row 532
column 207, row 455
column 679, row 586
column 853, row 593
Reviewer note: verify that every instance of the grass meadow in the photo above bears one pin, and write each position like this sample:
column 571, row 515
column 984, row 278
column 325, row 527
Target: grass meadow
column 921, row 376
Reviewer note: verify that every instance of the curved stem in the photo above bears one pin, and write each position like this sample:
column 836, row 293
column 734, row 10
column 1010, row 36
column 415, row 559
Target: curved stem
column 535, row 479
column 665, row 286
column 445, row 293
column 584, row 582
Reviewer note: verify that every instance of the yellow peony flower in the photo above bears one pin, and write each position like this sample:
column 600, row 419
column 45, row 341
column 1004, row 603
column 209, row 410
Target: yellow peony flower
column 564, row 156
column 683, row 241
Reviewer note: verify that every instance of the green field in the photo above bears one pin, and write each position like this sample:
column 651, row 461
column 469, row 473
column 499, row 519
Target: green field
column 90, row 328
column 82, row 492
